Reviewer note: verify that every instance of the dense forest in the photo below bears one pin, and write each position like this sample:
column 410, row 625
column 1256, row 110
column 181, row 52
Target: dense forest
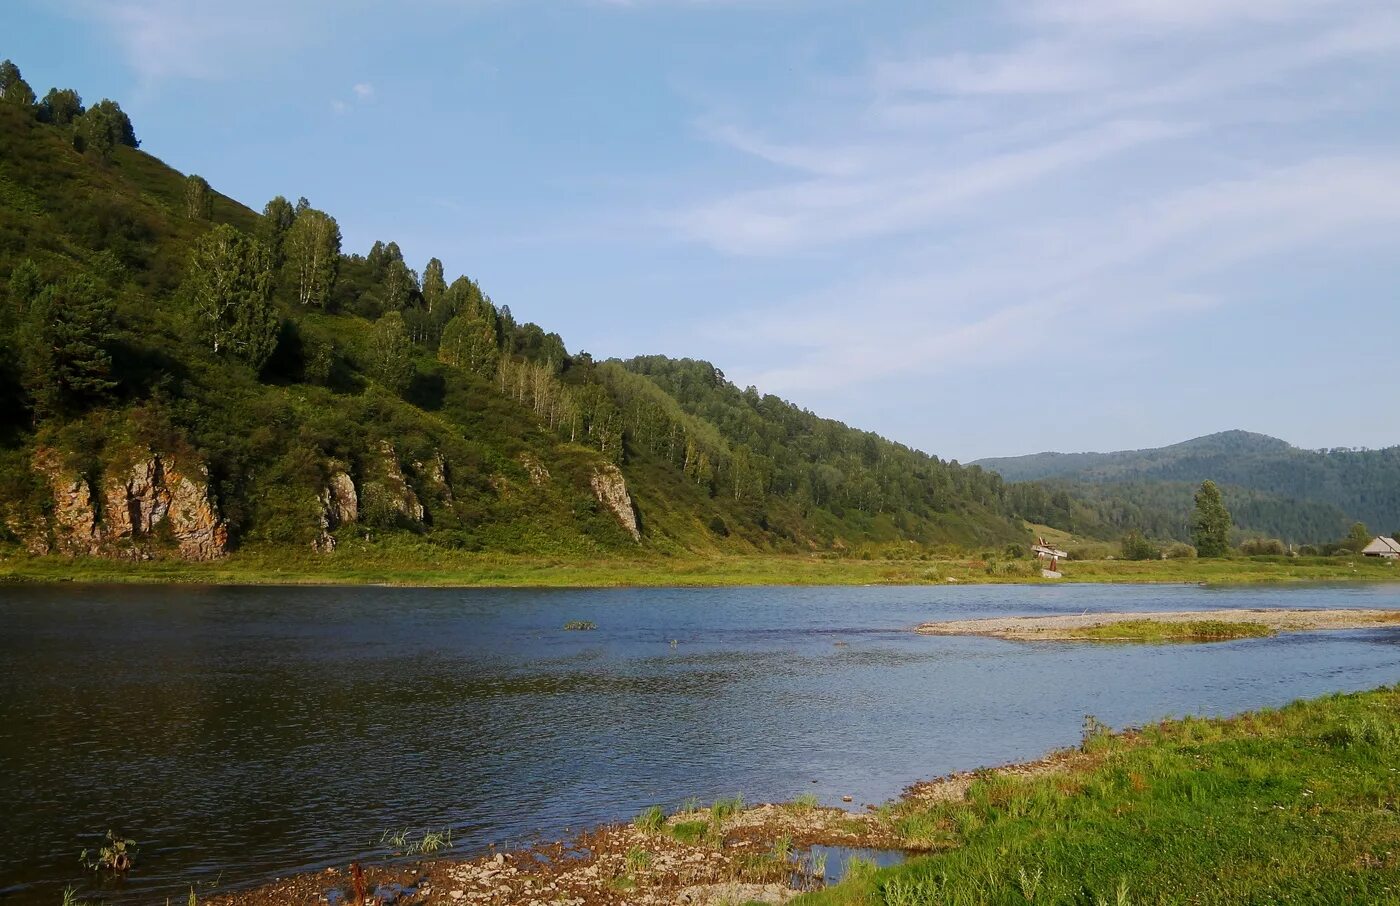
column 184, row 375
column 1273, row 488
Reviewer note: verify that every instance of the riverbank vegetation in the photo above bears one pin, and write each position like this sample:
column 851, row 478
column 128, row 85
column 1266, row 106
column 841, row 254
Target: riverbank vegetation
column 419, row 564
column 1292, row 805
column 1156, row 631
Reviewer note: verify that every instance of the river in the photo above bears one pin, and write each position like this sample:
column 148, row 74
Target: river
column 244, row 732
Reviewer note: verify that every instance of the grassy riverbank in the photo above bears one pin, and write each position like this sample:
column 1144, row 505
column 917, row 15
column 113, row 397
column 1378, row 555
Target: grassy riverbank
column 1296, row 805
column 427, row 565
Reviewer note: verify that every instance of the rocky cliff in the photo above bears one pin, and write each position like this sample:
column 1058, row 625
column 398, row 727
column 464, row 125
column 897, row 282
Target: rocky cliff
column 154, row 507
column 611, row 491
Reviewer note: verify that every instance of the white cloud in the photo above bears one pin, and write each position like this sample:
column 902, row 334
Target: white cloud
column 363, row 90
column 1109, row 164
column 195, row 39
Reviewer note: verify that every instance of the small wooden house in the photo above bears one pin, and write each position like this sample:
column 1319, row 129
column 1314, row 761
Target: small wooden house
column 1383, row 546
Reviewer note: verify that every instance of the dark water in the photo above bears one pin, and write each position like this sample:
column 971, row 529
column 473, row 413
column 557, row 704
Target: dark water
column 238, row 733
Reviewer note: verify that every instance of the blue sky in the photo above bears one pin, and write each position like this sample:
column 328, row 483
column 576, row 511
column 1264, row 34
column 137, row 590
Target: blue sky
column 979, row 228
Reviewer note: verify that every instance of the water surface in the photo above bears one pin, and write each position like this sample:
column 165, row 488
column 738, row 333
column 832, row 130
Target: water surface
column 239, row 733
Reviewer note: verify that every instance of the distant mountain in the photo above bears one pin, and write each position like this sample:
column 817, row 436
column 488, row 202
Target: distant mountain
column 1278, row 489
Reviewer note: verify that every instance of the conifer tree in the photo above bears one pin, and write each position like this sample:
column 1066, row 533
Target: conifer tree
column 64, row 342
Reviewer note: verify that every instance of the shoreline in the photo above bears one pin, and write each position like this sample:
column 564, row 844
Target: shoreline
column 1280, row 777
column 437, row 569
column 1076, row 627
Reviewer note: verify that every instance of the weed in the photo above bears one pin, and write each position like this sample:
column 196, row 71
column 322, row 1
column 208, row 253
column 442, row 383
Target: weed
column 690, row 832
column 580, row 626
column 805, row 802
column 650, row 821
column 1092, row 732
column 432, row 842
column 1029, row 882
column 638, row 860
column 115, row 855
column 725, row 808
column 70, row 897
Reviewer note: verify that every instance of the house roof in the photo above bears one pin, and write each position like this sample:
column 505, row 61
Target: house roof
column 1382, row 545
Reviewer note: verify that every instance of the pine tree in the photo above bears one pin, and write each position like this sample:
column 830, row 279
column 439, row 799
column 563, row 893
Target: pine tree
column 1210, row 530
column 64, row 343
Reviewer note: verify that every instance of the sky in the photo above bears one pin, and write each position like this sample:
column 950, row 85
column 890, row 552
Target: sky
column 980, row 228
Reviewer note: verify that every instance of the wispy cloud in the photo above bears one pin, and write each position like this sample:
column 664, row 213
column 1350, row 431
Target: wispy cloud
column 196, row 39
column 1107, row 163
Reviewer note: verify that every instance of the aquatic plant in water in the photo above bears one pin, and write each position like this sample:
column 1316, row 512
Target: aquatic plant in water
column 580, row 625
column 115, row 855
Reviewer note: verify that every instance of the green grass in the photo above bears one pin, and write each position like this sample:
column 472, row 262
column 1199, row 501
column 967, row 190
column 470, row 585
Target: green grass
column 425, row 564
column 651, row 820
column 1295, row 805
column 1163, row 631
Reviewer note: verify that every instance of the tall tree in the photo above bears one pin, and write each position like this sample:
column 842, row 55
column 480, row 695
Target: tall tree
column 13, row 88
column 66, row 335
column 278, row 217
column 434, row 285
column 199, row 198
column 229, row 290
column 1357, row 538
column 60, row 107
column 312, row 248
column 400, row 285
column 96, row 133
column 122, row 131
column 470, row 343
column 1210, row 529
column 391, row 352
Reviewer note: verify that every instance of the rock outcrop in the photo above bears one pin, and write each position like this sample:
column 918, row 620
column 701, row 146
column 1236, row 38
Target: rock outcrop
column 535, row 469
column 73, row 521
column 153, row 507
column 611, row 491
column 389, row 490
column 340, row 505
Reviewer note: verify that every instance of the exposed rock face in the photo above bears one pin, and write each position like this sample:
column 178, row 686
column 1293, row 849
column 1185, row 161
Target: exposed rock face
column 435, row 471
column 74, row 519
column 340, row 504
column 536, row 470
column 154, row 491
column 154, row 501
column 611, row 491
column 390, row 490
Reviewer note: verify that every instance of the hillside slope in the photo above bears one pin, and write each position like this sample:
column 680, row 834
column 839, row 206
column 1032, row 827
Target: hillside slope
column 183, row 376
column 1271, row 486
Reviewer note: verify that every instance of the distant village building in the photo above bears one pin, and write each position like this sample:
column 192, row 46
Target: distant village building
column 1382, row 546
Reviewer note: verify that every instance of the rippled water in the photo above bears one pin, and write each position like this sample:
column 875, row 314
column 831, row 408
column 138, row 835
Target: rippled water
column 238, row 733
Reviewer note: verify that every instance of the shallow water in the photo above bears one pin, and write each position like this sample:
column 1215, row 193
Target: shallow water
column 240, row 733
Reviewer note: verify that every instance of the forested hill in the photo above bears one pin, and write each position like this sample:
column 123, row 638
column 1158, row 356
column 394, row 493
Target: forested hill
column 1277, row 489
column 181, row 375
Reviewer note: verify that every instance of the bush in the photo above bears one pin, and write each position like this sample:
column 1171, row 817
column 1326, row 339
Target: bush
column 1136, row 547
column 1260, row 547
column 1178, row 550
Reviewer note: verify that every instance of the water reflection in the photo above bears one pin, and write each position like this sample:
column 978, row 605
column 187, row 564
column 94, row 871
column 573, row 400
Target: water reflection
column 249, row 731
